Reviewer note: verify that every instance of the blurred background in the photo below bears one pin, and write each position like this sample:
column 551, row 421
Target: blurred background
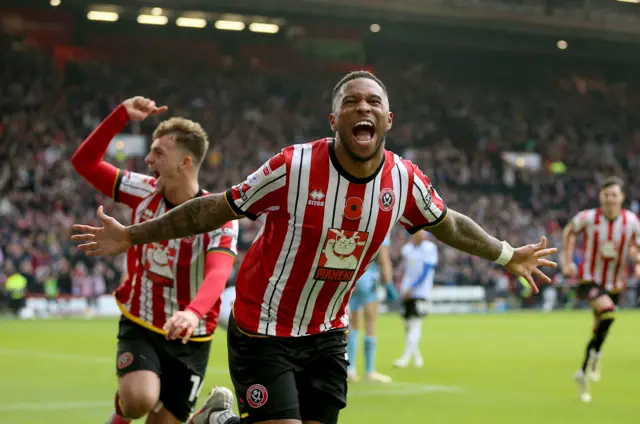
column 516, row 109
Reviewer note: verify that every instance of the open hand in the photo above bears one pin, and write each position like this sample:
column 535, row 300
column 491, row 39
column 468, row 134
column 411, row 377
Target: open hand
column 139, row 108
column 526, row 260
column 182, row 321
column 111, row 239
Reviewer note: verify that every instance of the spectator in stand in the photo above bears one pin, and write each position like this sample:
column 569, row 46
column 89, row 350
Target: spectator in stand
column 65, row 284
column 470, row 109
column 16, row 289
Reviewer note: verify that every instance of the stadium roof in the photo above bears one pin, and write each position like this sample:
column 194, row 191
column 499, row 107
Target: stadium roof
column 599, row 17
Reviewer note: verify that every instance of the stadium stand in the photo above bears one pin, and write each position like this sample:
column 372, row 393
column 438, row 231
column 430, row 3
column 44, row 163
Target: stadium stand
column 455, row 117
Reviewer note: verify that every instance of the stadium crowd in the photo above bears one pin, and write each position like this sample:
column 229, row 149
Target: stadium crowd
column 453, row 117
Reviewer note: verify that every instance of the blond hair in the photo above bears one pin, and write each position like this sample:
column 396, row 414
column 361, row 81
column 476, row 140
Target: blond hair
column 188, row 134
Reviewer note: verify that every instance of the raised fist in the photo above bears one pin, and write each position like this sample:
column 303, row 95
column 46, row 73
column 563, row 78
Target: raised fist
column 139, row 108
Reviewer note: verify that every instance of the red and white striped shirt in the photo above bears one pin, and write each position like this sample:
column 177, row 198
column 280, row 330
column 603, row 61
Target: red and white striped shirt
column 164, row 277
column 323, row 228
column 606, row 245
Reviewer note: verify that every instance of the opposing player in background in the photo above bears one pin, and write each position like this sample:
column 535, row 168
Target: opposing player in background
column 609, row 233
column 419, row 260
column 329, row 205
column 172, row 288
column 227, row 298
column 363, row 306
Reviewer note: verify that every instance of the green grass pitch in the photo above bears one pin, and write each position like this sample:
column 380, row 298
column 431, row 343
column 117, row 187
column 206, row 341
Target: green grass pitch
column 485, row 369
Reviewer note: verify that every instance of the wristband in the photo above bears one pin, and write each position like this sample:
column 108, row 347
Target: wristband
column 505, row 255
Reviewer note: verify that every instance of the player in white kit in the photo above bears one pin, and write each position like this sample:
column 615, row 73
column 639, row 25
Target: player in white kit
column 227, row 298
column 419, row 258
column 609, row 234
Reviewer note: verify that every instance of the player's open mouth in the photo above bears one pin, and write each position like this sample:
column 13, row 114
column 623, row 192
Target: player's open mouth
column 364, row 132
column 155, row 174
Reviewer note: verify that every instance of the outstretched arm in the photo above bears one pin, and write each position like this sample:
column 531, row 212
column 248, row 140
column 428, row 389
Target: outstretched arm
column 426, row 210
column 264, row 190
column 197, row 216
column 461, row 232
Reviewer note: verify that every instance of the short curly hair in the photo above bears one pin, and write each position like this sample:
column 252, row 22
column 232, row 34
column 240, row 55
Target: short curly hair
column 352, row 76
column 188, row 134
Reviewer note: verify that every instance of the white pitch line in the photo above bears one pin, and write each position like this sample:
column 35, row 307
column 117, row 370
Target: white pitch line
column 403, row 392
column 402, row 388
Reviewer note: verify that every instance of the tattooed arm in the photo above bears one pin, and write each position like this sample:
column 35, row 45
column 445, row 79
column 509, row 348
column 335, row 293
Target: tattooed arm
column 197, row 216
column 460, row 232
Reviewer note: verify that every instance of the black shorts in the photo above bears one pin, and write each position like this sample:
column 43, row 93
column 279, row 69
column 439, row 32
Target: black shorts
column 414, row 308
column 181, row 367
column 615, row 297
column 590, row 290
column 303, row 378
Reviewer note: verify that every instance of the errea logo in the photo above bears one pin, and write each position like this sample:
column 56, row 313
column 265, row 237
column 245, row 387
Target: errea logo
column 316, row 198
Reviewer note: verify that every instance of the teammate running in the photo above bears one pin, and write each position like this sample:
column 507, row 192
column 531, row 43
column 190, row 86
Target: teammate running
column 329, row 205
column 419, row 259
column 609, row 233
column 364, row 304
column 172, row 289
